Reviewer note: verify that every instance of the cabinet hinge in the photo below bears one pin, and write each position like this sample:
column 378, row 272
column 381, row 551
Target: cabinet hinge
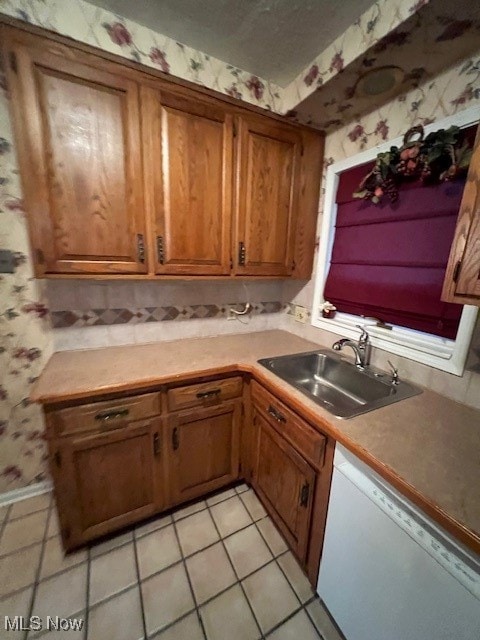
column 57, row 458
column 175, row 439
column 160, row 250
column 234, row 129
column 140, row 247
column 156, row 444
column 231, row 262
column 456, row 271
column 304, row 493
column 241, row 253
column 294, row 265
column 13, row 61
column 40, row 256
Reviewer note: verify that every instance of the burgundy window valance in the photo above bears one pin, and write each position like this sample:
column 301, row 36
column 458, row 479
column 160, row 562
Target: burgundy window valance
column 389, row 261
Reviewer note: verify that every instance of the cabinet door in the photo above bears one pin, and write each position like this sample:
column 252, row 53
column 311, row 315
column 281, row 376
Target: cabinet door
column 188, row 182
column 462, row 278
column 286, row 484
column 78, row 137
column 204, row 450
column 109, row 480
column 266, row 197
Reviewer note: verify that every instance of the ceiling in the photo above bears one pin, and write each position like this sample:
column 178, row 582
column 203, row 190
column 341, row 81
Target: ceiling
column 273, row 39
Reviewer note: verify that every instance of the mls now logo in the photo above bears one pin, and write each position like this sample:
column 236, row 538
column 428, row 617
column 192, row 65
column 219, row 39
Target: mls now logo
column 35, row 623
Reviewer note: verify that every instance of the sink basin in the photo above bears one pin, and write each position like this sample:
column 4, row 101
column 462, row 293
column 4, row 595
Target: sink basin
column 338, row 385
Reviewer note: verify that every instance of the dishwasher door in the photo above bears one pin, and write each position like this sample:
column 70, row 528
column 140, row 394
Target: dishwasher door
column 387, row 573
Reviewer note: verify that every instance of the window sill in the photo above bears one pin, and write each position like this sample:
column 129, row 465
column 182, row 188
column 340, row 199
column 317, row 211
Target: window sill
column 440, row 353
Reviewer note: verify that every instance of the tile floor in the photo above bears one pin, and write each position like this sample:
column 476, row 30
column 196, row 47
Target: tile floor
column 215, row 570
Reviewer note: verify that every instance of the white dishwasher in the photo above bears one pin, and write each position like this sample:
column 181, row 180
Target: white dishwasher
column 387, row 571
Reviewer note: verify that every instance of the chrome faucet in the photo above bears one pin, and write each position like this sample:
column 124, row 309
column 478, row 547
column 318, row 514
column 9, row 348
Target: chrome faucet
column 361, row 348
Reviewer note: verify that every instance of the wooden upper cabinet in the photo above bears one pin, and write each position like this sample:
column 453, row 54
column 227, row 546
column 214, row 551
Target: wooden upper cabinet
column 188, row 182
column 266, row 197
column 126, row 174
column 462, row 278
column 78, row 138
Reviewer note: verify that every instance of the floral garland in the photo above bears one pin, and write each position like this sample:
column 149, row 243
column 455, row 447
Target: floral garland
column 440, row 157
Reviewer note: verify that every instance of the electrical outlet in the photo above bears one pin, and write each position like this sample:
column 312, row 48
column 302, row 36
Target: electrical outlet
column 300, row 314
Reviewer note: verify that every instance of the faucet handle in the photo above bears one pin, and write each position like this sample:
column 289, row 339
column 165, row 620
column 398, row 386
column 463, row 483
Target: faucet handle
column 395, row 378
column 364, row 335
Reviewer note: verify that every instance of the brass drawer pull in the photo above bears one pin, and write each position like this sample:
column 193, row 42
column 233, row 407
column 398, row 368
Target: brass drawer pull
column 209, row 394
column 105, row 416
column 279, row 417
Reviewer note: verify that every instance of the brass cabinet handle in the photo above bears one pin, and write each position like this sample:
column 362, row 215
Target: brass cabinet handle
column 156, row 444
column 160, row 250
column 209, row 394
column 241, row 253
column 111, row 414
column 304, row 494
column 279, row 417
column 140, row 247
column 175, row 439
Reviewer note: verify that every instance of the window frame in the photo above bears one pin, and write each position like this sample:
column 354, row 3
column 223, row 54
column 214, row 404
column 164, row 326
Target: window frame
column 434, row 351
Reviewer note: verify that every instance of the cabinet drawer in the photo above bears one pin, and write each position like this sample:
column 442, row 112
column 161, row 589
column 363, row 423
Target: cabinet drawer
column 299, row 433
column 108, row 414
column 204, row 394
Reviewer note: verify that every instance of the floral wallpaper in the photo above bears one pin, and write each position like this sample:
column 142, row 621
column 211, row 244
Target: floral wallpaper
column 428, row 42
column 380, row 19
column 100, row 28
column 450, row 92
column 26, row 335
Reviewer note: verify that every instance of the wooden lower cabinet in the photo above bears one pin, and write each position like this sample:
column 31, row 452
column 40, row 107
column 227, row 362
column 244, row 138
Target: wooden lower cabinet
column 123, row 458
column 291, row 464
column 285, row 482
column 204, row 449
column 105, row 481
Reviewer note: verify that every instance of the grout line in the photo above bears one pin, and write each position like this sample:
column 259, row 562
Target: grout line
column 89, row 558
column 39, row 567
column 112, row 596
column 133, row 539
column 284, row 621
column 286, row 576
column 87, row 605
column 236, row 574
column 25, row 515
column 189, row 579
column 159, row 632
column 3, row 524
column 248, row 510
column 139, row 587
column 310, row 617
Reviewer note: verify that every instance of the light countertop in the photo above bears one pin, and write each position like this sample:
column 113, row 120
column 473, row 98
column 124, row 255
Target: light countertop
column 428, row 446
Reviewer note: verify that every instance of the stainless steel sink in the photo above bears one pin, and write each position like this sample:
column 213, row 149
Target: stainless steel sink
column 338, row 385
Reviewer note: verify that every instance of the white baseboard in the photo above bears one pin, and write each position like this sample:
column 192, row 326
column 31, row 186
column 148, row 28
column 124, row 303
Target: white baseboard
column 9, row 497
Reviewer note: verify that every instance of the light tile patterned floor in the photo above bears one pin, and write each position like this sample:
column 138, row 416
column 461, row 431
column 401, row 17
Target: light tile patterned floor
column 215, row 570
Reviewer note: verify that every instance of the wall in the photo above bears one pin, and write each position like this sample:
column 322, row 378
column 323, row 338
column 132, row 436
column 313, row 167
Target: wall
column 450, row 92
column 104, row 314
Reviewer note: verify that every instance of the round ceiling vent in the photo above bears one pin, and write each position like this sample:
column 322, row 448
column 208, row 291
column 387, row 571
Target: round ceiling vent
column 379, row 82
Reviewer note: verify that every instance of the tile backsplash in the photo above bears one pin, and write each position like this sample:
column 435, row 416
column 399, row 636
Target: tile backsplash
column 88, row 314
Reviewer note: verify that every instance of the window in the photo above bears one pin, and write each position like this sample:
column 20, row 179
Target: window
column 370, row 266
